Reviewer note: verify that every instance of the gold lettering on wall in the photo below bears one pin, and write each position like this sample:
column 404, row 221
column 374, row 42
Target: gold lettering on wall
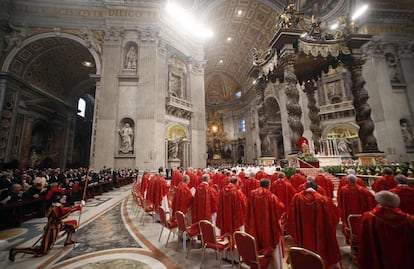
column 73, row 12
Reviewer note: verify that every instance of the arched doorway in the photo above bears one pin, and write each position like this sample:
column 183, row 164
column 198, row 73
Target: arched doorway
column 51, row 72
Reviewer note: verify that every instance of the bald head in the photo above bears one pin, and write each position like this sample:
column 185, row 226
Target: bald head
column 351, row 178
column 387, row 198
column 351, row 171
column 401, row 179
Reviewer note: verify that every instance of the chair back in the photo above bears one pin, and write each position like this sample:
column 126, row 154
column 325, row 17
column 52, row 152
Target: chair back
column 180, row 217
column 163, row 216
column 354, row 222
column 246, row 247
column 302, row 258
column 208, row 235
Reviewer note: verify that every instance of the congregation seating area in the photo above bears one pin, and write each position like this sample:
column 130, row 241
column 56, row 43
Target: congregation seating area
column 13, row 213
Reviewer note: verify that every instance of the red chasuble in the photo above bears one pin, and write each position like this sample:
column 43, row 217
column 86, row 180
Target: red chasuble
column 182, row 199
column 312, row 220
column 297, row 179
column 354, row 199
column 386, row 239
column 264, row 213
column 343, row 181
column 386, row 182
column 157, row 189
column 406, row 195
column 144, row 183
column 250, row 184
column 231, row 209
column 204, row 203
column 283, row 190
column 176, row 178
column 326, row 183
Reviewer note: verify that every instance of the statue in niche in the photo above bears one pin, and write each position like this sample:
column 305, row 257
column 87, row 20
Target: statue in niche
column 344, row 145
column 394, row 68
column 173, row 146
column 127, row 138
column 131, row 58
column 407, row 133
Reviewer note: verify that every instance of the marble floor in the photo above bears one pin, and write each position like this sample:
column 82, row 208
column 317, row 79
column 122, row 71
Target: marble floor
column 111, row 235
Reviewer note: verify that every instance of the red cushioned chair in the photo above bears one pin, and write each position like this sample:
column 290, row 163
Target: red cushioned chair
column 185, row 231
column 302, row 258
column 248, row 253
column 165, row 224
column 210, row 240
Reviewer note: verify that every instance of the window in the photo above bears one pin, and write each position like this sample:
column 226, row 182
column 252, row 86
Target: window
column 81, row 107
column 242, row 125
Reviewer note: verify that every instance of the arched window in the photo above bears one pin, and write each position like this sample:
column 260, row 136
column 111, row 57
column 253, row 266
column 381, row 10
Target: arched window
column 81, row 107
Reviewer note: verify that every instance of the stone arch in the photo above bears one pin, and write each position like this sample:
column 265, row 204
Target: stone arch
column 16, row 50
column 343, row 133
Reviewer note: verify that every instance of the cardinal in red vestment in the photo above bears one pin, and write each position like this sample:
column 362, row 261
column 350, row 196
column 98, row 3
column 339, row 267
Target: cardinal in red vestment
column 263, row 221
column 232, row 205
column 406, row 194
column 344, row 180
column 310, row 183
column 386, row 182
column 144, row 183
column 311, row 221
column 205, row 201
column 158, row 191
column 297, row 179
column 182, row 198
column 353, row 199
column 176, row 178
column 386, row 235
column 325, row 183
column 283, row 189
column 250, row 184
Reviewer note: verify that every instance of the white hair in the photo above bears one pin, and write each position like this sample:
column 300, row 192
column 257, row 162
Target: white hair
column 387, row 198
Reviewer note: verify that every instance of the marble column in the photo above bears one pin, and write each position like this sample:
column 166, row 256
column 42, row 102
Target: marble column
column 315, row 127
column 292, row 106
column 362, row 108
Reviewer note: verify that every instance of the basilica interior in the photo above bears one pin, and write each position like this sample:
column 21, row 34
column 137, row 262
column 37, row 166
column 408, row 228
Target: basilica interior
column 147, row 85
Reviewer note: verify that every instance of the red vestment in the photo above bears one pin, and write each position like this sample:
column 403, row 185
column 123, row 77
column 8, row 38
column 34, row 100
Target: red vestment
column 250, row 184
column 386, row 239
column 242, row 175
column 231, row 211
column 386, row 182
column 176, row 178
column 354, row 199
column 263, row 218
column 262, row 174
column 283, row 190
column 406, row 195
column 182, row 199
column 204, row 203
column 319, row 189
column 157, row 189
column 297, row 179
column 344, row 180
column 325, row 183
column 312, row 220
column 194, row 180
column 144, row 183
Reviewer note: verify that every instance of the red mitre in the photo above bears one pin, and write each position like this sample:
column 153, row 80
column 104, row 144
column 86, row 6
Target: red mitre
column 302, row 140
column 52, row 192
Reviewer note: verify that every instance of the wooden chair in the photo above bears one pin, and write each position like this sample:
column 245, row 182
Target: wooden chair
column 185, row 231
column 210, row 240
column 354, row 222
column 165, row 224
column 302, row 258
column 248, row 253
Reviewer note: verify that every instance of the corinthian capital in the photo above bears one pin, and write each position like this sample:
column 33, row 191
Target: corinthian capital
column 148, row 35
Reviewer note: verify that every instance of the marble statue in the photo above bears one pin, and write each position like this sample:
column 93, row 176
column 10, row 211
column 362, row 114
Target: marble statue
column 127, row 138
column 131, row 59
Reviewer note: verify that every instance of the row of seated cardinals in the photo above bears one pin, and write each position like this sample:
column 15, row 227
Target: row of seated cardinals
column 305, row 209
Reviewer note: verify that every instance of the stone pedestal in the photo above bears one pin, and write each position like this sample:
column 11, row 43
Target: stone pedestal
column 375, row 158
column 173, row 163
column 3, row 253
column 266, row 160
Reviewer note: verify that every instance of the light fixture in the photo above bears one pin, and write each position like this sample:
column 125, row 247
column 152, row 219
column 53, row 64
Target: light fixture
column 359, row 12
column 254, row 82
column 229, row 39
column 334, row 26
column 239, row 12
column 87, row 64
column 180, row 15
column 214, row 128
column 221, row 61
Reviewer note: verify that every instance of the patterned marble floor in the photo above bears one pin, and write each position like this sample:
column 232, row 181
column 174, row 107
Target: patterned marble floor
column 112, row 236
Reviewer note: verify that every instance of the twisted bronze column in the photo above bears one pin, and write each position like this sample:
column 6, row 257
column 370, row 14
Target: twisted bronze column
column 313, row 114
